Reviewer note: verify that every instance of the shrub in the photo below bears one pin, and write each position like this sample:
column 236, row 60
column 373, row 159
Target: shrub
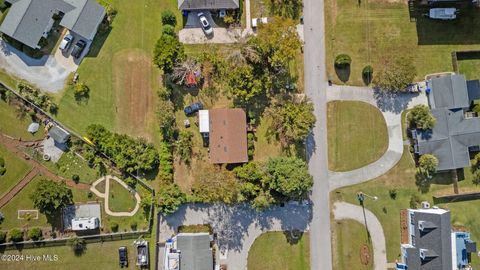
column 3, row 170
column 393, row 193
column 89, row 195
column 15, row 235
column 168, row 18
column 81, row 91
column 35, row 234
column 78, row 245
column 114, row 227
column 367, row 74
column 133, row 225
column 168, row 30
column 342, row 61
column 414, row 201
column 76, row 178
column 131, row 182
column 3, row 236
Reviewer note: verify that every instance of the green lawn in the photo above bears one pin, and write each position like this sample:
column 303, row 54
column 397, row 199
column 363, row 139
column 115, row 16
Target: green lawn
column 470, row 68
column 271, row 251
column 402, row 178
column 350, row 236
column 357, row 135
column 14, row 126
column 136, row 27
column 375, row 30
column 70, row 164
column 121, row 200
column 16, row 170
column 97, row 256
column 22, row 201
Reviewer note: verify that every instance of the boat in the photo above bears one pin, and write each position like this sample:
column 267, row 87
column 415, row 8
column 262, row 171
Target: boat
column 142, row 252
column 442, row 13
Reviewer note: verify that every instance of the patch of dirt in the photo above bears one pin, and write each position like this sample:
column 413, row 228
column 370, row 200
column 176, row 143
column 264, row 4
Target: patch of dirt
column 364, row 255
column 333, row 10
column 132, row 82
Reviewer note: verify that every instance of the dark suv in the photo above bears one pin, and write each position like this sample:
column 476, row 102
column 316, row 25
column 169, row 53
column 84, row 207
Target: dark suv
column 193, row 108
column 123, row 257
column 78, row 48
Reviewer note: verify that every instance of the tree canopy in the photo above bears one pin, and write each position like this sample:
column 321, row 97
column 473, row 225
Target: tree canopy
column 428, row 163
column 214, row 184
column 170, row 197
column 167, row 52
column 129, row 154
column 395, row 74
column 277, row 180
column 243, row 85
column 421, row 117
column 292, row 122
column 49, row 196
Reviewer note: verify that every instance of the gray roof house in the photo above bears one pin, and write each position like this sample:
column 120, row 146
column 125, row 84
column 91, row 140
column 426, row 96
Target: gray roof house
column 189, row 251
column 429, row 245
column 188, row 5
column 29, row 20
column 456, row 130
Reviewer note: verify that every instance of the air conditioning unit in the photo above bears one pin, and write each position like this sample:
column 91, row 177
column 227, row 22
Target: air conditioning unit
column 425, row 205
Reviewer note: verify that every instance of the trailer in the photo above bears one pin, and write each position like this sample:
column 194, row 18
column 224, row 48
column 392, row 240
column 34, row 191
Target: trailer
column 142, row 252
column 442, row 13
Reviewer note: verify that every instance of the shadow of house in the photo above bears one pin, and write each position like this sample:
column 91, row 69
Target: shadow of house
column 449, row 32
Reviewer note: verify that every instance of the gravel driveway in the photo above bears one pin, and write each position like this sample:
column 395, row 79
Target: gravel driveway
column 47, row 73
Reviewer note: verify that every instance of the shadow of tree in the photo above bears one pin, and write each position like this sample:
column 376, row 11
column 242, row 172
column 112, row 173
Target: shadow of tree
column 343, row 73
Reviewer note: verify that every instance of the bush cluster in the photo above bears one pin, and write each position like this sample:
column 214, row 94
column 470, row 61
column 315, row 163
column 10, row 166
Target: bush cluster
column 38, row 98
column 129, row 154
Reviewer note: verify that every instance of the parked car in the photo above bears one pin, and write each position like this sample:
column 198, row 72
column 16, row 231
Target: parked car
column 193, row 108
column 123, row 257
column 66, row 42
column 207, row 28
column 78, row 48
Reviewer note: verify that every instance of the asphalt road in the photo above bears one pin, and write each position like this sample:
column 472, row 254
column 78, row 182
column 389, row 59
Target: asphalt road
column 315, row 88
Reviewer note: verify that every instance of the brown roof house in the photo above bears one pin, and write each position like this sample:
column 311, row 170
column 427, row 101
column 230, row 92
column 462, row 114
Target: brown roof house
column 226, row 130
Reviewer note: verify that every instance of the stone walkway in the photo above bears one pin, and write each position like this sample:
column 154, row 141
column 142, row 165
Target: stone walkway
column 343, row 210
column 14, row 146
column 106, row 196
column 391, row 108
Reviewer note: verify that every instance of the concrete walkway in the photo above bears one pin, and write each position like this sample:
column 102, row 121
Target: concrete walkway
column 106, row 196
column 47, row 73
column 237, row 226
column 343, row 210
column 391, row 108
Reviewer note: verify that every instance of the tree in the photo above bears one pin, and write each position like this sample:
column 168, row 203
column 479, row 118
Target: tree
column 289, row 177
column 476, row 177
column 421, row 117
column 342, row 61
column 168, row 51
column 277, row 43
column 49, row 196
column 243, row 85
column 184, row 145
column 170, row 197
column 395, row 74
column 15, row 235
column 168, row 30
column 78, row 245
column 251, row 177
column 168, row 18
column 215, row 184
column 476, row 169
column 428, row 163
column 166, row 163
column 76, row 178
column 81, row 91
column 292, row 122
column 35, row 234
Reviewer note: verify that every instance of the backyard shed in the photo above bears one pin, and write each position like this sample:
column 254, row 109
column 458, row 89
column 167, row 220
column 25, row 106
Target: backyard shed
column 58, row 134
column 85, row 223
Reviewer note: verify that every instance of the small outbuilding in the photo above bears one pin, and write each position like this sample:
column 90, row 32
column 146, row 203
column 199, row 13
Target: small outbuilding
column 85, row 223
column 58, row 134
column 33, row 127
